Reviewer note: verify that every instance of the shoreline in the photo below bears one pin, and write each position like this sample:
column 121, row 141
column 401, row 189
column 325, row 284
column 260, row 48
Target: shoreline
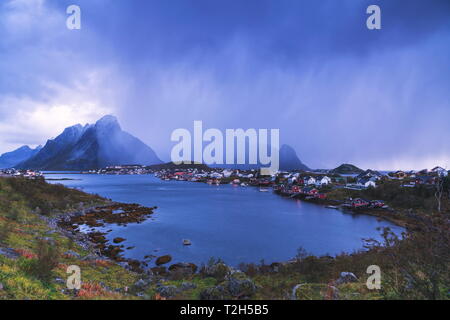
column 69, row 224
column 114, row 251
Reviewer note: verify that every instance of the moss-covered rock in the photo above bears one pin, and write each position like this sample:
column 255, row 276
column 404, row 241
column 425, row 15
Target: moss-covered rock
column 214, row 293
column 218, row 271
column 239, row 285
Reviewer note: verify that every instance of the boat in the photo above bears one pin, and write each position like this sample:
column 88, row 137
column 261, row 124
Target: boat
column 187, row 242
column 263, row 189
column 332, row 207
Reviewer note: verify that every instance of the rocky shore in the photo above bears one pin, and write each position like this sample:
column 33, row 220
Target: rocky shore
column 89, row 219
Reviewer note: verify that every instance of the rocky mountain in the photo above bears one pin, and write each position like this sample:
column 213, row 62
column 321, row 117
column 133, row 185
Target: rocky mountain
column 11, row 159
column 289, row 159
column 91, row 147
column 287, row 156
column 347, row 169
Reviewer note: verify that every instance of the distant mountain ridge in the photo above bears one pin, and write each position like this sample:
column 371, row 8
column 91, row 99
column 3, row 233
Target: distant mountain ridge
column 91, row 147
column 11, row 159
column 288, row 160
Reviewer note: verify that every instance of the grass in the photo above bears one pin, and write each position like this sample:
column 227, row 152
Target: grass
column 21, row 226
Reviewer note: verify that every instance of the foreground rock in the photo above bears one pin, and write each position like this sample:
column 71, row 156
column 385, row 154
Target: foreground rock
column 9, row 253
column 184, row 268
column 218, row 271
column 346, row 277
column 240, row 285
column 214, row 293
column 314, row 291
column 118, row 240
column 167, row 291
column 234, row 284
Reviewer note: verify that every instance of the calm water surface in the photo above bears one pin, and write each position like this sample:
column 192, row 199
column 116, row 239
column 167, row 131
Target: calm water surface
column 237, row 224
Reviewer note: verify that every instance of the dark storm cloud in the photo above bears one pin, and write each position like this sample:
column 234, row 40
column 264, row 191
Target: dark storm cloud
column 338, row 91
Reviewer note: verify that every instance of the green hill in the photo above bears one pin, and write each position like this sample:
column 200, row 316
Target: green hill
column 347, row 169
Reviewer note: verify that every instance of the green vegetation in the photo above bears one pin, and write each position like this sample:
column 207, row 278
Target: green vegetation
column 34, row 258
column 420, row 198
column 346, row 169
column 20, row 195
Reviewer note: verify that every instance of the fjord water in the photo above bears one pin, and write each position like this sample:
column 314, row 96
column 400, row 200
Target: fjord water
column 237, row 224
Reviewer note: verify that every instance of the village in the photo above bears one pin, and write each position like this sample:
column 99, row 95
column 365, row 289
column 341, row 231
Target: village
column 29, row 174
column 315, row 186
column 310, row 186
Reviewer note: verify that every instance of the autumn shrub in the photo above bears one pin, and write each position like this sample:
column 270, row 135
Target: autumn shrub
column 5, row 229
column 90, row 290
column 46, row 260
column 418, row 266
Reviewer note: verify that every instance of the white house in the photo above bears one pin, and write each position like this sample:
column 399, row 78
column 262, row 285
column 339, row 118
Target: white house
column 440, row 171
column 366, row 183
column 227, row 173
column 309, row 180
column 320, row 181
column 215, row 175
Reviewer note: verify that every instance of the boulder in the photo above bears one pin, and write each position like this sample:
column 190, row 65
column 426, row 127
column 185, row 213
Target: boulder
column 9, row 253
column 141, row 283
column 159, row 270
column 239, row 285
column 314, row 291
column 163, row 260
column 72, row 254
column 214, row 293
column 167, row 291
column 118, row 240
column 188, row 286
column 188, row 268
column 218, row 271
column 123, row 264
column 346, row 277
column 294, row 291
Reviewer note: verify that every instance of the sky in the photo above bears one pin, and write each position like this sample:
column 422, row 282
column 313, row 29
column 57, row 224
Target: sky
column 338, row 92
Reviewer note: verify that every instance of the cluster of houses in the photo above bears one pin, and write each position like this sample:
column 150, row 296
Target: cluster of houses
column 363, row 203
column 419, row 178
column 366, row 179
column 306, row 185
column 211, row 176
column 29, row 174
column 121, row 170
column 296, row 191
